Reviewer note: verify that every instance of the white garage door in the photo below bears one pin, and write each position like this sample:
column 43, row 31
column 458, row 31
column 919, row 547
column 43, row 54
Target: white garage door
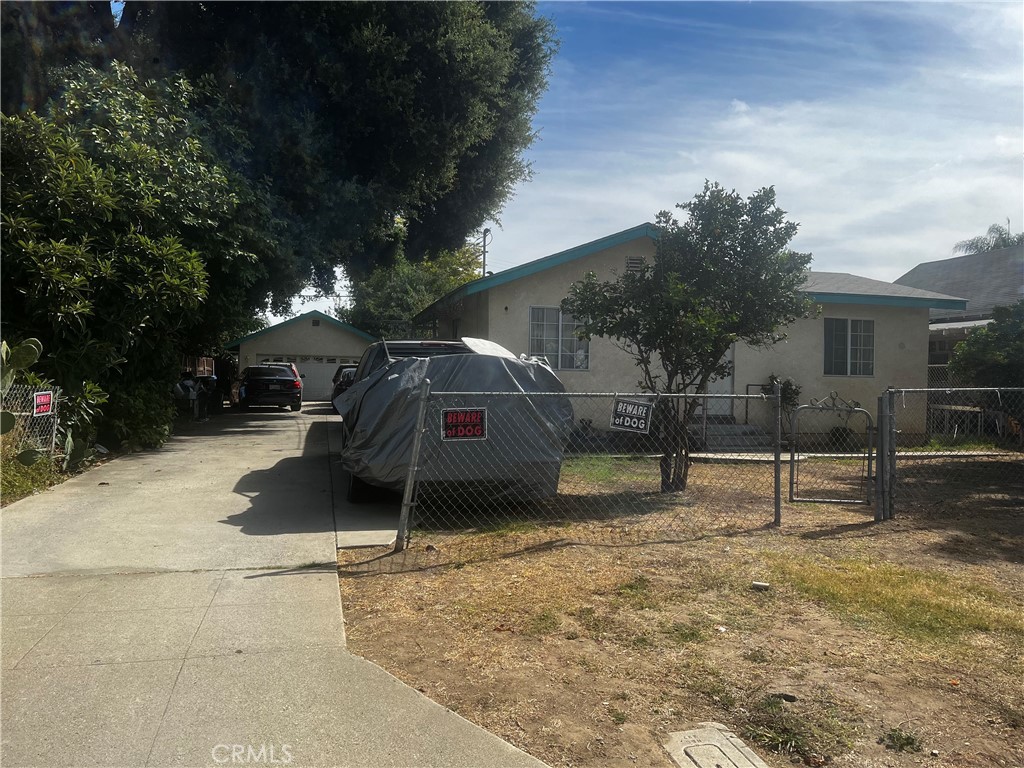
column 319, row 371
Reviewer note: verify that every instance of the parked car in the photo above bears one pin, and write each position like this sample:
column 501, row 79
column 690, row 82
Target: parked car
column 277, row 384
column 517, row 442
column 382, row 353
column 343, row 379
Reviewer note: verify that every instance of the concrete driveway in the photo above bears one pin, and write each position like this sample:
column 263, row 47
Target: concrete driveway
column 180, row 607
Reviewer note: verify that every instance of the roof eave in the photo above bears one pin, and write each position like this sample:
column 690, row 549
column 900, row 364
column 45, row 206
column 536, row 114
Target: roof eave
column 917, row 302
column 540, row 265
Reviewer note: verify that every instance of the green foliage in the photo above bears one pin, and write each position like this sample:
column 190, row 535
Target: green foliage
column 993, row 356
column 996, row 237
column 723, row 275
column 352, row 112
column 117, row 220
column 18, row 480
column 15, row 360
column 12, row 361
column 385, row 303
column 789, row 394
column 900, row 740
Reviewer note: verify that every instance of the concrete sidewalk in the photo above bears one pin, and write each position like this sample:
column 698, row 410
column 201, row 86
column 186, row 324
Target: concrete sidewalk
column 181, row 608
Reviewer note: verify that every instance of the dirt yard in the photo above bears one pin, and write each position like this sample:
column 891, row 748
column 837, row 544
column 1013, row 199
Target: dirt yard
column 874, row 644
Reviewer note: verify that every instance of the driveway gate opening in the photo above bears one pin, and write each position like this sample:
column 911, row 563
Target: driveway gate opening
column 831, row 450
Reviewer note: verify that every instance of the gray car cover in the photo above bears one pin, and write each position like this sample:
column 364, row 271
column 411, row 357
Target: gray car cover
column 518, row 450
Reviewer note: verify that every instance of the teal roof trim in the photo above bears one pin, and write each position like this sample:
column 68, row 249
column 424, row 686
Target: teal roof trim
column 554, row 260
column 307, row 315
column 887, row 301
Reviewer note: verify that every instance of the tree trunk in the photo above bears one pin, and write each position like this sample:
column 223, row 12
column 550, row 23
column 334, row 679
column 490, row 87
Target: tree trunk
column 675, row 458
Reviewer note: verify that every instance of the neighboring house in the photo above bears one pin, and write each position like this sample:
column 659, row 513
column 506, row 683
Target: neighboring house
column 315, row 342
column 870, row 334
column 987, row 280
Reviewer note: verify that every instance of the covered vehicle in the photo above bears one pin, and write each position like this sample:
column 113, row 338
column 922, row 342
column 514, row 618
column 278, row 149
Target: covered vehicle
column 490, row 440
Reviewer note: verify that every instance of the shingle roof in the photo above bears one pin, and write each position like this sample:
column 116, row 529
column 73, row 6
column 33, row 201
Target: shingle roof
column 840, row 287
column 986, row 280
column 825, row 287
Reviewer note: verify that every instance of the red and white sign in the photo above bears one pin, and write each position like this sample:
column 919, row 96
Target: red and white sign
column 464, row 424
column 43, row 404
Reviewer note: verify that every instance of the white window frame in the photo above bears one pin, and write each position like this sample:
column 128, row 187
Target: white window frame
column 849, row 348
column 560, row 342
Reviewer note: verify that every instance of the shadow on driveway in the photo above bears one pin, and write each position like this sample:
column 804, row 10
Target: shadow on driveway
column 295, row 495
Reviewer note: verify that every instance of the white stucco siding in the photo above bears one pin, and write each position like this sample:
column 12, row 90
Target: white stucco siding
column 900, row 355
column 610, row 370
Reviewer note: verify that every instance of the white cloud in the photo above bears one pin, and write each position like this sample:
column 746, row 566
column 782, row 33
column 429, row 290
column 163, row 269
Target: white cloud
column 883, row 173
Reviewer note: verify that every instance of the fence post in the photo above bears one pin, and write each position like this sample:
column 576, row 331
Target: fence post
column 408, row 496
column 891, row 478
column 777, row 394
column 882, row 460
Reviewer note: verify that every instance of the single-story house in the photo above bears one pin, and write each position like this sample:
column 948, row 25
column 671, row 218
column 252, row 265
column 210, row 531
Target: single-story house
column 870, row 334
column 317, row 343
column 986, row 280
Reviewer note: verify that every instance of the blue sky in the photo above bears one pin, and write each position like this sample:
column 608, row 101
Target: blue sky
column 889, row 130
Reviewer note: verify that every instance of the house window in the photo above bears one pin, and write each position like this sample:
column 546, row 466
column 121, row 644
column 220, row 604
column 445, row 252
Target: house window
column 849, row 347
column 316, row 321
column 552, row 336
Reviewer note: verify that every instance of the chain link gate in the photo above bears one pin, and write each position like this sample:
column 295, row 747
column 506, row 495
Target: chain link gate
column 623, row 463
column 832, row 461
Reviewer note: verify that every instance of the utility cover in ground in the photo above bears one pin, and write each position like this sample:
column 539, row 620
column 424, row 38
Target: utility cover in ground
column 711, row 745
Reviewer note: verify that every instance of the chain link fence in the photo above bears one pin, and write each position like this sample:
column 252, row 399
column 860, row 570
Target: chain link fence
column 953, row 452
column 35, row 417
column 497, row 472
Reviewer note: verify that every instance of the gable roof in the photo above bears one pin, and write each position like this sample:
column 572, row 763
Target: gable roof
column 986, row 280
column 843, row 288
column 234, row 345
column 547, row 262
column 823, row 287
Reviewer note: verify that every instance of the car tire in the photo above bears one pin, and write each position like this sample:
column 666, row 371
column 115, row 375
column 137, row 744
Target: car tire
column 297, row 406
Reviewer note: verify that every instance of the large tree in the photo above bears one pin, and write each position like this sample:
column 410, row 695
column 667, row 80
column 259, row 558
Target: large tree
column 993, row 356
column 723, row 275
column 996, row 237
column 126, row 242
column 356, row 114
column 385, row 303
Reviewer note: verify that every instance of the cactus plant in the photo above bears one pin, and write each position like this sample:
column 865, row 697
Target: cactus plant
column 14, row 359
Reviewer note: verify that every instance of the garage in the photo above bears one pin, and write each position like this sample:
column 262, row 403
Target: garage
column 315, row 342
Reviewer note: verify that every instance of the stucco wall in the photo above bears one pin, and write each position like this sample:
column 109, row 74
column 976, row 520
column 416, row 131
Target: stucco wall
column 901, row 338
column 611, row 370
column 303, row 338
column 901, row 355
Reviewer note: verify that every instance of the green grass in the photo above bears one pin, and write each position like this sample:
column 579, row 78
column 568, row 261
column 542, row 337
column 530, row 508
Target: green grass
column 919, row 604
column 501, row 530
column 594, row 623
column 900, row 740
column 543, row 623
column 939, row 443
column 814, row 727
column 608, row 472
column 682, row 633
column 637, row 593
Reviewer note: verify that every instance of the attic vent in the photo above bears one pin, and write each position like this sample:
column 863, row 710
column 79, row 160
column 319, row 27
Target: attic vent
column 634, row 263
column 316, row 321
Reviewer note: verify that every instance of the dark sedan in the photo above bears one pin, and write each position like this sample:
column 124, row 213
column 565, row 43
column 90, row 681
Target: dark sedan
column 278, row 385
